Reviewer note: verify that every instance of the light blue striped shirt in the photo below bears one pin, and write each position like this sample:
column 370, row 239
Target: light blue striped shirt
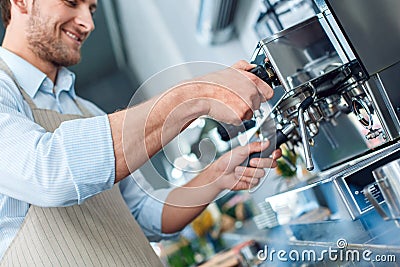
column 61, row 168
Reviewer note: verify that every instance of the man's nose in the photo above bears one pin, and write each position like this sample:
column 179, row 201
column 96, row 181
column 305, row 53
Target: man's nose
column 85, row 20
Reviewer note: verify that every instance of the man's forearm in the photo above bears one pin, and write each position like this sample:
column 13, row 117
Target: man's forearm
column 184, row 204
column 140, row 132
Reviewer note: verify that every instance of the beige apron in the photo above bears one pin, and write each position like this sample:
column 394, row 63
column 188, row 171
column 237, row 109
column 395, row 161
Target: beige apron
column 99, row 232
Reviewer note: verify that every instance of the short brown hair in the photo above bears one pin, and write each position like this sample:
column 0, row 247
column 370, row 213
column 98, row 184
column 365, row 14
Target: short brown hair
column 5, row 6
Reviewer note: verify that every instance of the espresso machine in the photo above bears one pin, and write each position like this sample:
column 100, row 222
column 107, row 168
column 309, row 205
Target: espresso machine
column 336, row 77
column 335, row 81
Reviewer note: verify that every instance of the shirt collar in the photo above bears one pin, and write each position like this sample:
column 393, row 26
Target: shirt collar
column 65, row 81
column 32, row 79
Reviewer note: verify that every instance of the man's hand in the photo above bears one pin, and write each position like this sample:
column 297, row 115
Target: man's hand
column 228, row 174
column 233, row 94
column 185, row 203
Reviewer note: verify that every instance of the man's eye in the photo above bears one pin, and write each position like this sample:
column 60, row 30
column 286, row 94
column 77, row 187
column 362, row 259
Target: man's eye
column 93, row 12
column 71, row 3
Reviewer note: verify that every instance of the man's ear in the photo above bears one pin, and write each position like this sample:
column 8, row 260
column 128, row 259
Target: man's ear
column 20, row 5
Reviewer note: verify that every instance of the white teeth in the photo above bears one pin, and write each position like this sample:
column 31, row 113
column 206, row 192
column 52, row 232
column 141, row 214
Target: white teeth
column 73, row 36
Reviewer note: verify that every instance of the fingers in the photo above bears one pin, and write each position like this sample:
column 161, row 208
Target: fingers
column 246, row 182
column 264, row 89
column 277, row 154
column 263, row 163
column 243, row 65
column 258, row 146
column 261, row 146
column 241, row 185
column 250, row 180
column 234, row 93
column 267, row 162
column 241, row 172
column 257, row 164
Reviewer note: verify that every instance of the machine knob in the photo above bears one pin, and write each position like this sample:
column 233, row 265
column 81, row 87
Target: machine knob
column 266, row 73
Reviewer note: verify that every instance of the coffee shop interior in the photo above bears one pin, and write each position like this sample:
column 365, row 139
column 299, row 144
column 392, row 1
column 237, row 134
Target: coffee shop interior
column 334, row 198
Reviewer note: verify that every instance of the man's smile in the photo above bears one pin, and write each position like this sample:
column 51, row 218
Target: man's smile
column 74, row 36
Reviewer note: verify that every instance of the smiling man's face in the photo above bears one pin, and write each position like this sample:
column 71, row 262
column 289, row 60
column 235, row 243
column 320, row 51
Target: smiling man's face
column 57, row 29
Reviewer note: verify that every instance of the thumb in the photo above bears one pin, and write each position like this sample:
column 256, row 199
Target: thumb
column 243, row 65
column 241, row 153
column 258, row 146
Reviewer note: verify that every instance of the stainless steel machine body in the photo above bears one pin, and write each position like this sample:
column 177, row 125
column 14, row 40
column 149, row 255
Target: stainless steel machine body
column 313, row 60
column 337, row 84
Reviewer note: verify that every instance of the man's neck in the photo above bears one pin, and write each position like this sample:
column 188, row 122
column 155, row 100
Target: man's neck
column 24, row 52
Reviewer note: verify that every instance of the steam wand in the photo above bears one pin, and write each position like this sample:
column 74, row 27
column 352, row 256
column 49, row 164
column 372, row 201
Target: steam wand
column 304, row 134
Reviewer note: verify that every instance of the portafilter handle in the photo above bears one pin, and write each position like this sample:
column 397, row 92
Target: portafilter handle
column 282, row 136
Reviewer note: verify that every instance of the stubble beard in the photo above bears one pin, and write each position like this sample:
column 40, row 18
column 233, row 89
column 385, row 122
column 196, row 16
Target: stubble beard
column 44, row 43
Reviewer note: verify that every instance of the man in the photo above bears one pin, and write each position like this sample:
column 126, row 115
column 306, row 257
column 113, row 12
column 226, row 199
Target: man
column 58, row 150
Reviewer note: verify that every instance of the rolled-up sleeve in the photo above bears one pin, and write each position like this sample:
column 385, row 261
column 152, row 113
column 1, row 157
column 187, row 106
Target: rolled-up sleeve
column 53, row 169
column 91, row 158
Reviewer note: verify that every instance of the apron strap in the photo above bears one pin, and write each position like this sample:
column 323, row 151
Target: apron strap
column 28, row 99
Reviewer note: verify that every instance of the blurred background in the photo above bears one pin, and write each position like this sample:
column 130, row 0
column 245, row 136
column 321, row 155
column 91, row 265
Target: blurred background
column 136, row 42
